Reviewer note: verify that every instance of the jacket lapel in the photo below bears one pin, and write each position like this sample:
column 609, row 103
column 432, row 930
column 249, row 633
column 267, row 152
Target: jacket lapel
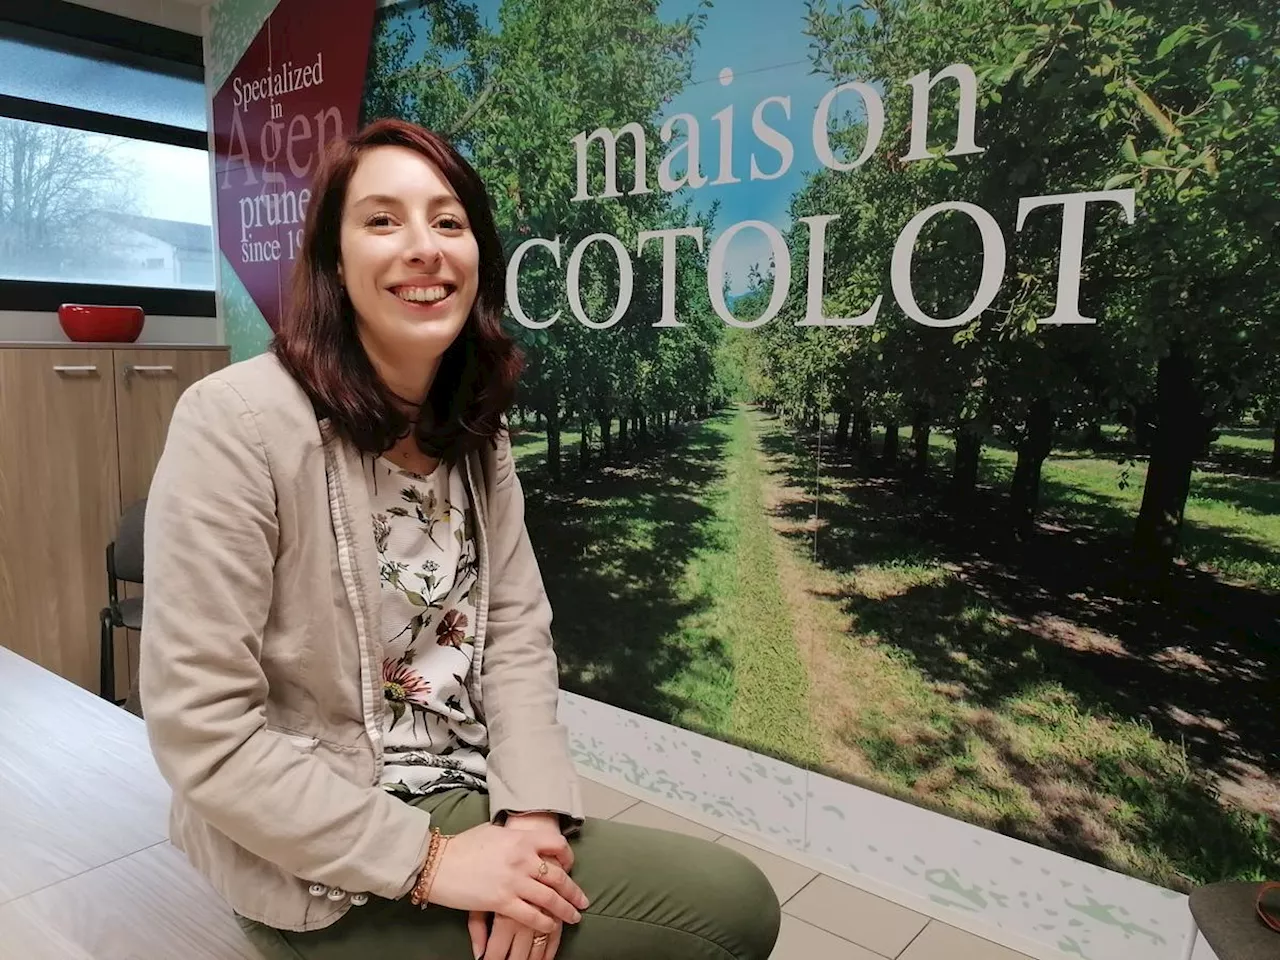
column 358, row 560
column 477, row 479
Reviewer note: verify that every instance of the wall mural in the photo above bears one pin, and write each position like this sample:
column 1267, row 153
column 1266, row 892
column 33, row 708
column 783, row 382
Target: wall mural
column 902, row 396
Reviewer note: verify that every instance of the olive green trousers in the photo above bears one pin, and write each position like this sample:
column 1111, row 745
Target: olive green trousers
column 654, row 896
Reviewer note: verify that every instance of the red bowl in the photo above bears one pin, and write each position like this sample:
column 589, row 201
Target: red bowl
column 86, row 323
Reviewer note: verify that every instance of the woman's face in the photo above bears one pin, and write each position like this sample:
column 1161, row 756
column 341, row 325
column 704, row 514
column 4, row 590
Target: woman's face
column 409, row 262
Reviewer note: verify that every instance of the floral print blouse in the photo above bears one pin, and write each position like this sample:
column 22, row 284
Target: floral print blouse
column 428, row 562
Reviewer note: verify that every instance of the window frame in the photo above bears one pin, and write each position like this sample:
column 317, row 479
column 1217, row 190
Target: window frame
column 77, row 29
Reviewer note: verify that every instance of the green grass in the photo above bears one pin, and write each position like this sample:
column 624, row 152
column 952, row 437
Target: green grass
column 968, row 699
column 665, row 595
column 771, row 703
column 1232, row 522
column 1257, row 441
column 529, row 447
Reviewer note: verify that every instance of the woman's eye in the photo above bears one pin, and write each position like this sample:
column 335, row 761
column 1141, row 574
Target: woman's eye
column 451, row 223
column 379, row 220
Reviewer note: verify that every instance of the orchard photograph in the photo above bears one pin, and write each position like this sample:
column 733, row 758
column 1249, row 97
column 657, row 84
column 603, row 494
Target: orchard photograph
column 902, row 387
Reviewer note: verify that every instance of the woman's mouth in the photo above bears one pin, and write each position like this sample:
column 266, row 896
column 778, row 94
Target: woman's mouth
column 424, row 296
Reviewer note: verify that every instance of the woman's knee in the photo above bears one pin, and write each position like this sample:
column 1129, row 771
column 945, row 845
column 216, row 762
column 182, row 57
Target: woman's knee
column 750, row 914
column 695, row 900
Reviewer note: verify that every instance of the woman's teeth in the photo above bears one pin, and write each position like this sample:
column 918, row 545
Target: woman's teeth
column 422, row 294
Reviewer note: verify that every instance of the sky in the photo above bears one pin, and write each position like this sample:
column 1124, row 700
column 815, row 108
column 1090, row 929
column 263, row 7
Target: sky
column 172, row 183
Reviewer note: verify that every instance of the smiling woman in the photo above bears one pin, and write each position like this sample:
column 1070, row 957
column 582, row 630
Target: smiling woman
column 373, row 714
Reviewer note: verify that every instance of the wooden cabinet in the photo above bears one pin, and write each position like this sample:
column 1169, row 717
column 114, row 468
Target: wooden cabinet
column 59, row 496
column 81, row 431
column 148, row 384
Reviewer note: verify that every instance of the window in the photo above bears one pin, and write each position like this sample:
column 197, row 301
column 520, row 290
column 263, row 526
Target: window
column 33, row 71
column 104, row 169
column 89, row 207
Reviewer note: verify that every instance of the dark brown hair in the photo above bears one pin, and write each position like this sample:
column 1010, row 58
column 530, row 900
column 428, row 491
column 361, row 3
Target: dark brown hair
column 318, row 343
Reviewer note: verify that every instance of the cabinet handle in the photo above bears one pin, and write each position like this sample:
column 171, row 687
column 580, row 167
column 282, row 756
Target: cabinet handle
column 76, row 368
column 131, row 368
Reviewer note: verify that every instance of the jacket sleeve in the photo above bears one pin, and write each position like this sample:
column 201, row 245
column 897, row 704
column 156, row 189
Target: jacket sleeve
column 529, row 764
column 211, row 541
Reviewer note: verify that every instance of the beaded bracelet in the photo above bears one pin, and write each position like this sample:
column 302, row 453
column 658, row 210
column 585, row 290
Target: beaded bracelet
column 422, row 889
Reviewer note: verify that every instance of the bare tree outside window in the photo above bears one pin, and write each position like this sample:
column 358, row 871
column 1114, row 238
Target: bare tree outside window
column 52, row 181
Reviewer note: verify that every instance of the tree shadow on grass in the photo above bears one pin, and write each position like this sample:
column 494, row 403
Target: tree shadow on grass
column 1234, row 458
column 975, row 654
column 1255, row 494
column 1196, row 658
column 1222, row 457
column 1075, row 574
column 612, row 546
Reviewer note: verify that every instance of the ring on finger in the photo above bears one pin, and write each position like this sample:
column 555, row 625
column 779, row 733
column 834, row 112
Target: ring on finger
column 541, row 940
column 542, row 868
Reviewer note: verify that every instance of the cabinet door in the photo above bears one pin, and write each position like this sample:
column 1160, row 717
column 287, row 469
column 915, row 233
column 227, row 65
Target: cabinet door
column 59, row 504
column 148, row 384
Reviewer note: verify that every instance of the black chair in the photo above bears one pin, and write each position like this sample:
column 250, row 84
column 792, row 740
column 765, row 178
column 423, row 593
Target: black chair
column 124, row 565
column 1227, row 916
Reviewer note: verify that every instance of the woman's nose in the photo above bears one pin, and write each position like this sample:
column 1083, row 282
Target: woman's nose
column 423, row 245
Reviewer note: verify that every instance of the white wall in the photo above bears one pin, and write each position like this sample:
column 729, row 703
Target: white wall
column 181, row 15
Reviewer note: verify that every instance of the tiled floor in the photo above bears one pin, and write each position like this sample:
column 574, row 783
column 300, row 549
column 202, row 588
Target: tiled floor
column 823, row 919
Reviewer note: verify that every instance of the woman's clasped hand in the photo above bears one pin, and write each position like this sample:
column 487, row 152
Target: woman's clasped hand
column 518, row 874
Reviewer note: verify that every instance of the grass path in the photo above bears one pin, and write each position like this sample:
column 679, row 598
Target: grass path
column 661, row 574
column 772, row 689
column 820, row 628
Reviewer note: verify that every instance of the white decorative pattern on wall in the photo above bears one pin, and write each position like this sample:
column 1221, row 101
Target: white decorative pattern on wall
column 1026, row 897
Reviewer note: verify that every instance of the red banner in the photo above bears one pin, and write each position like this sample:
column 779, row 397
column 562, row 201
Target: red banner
column 298, row 85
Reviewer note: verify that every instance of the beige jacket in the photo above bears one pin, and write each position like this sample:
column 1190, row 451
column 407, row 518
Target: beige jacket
column 261, row 670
